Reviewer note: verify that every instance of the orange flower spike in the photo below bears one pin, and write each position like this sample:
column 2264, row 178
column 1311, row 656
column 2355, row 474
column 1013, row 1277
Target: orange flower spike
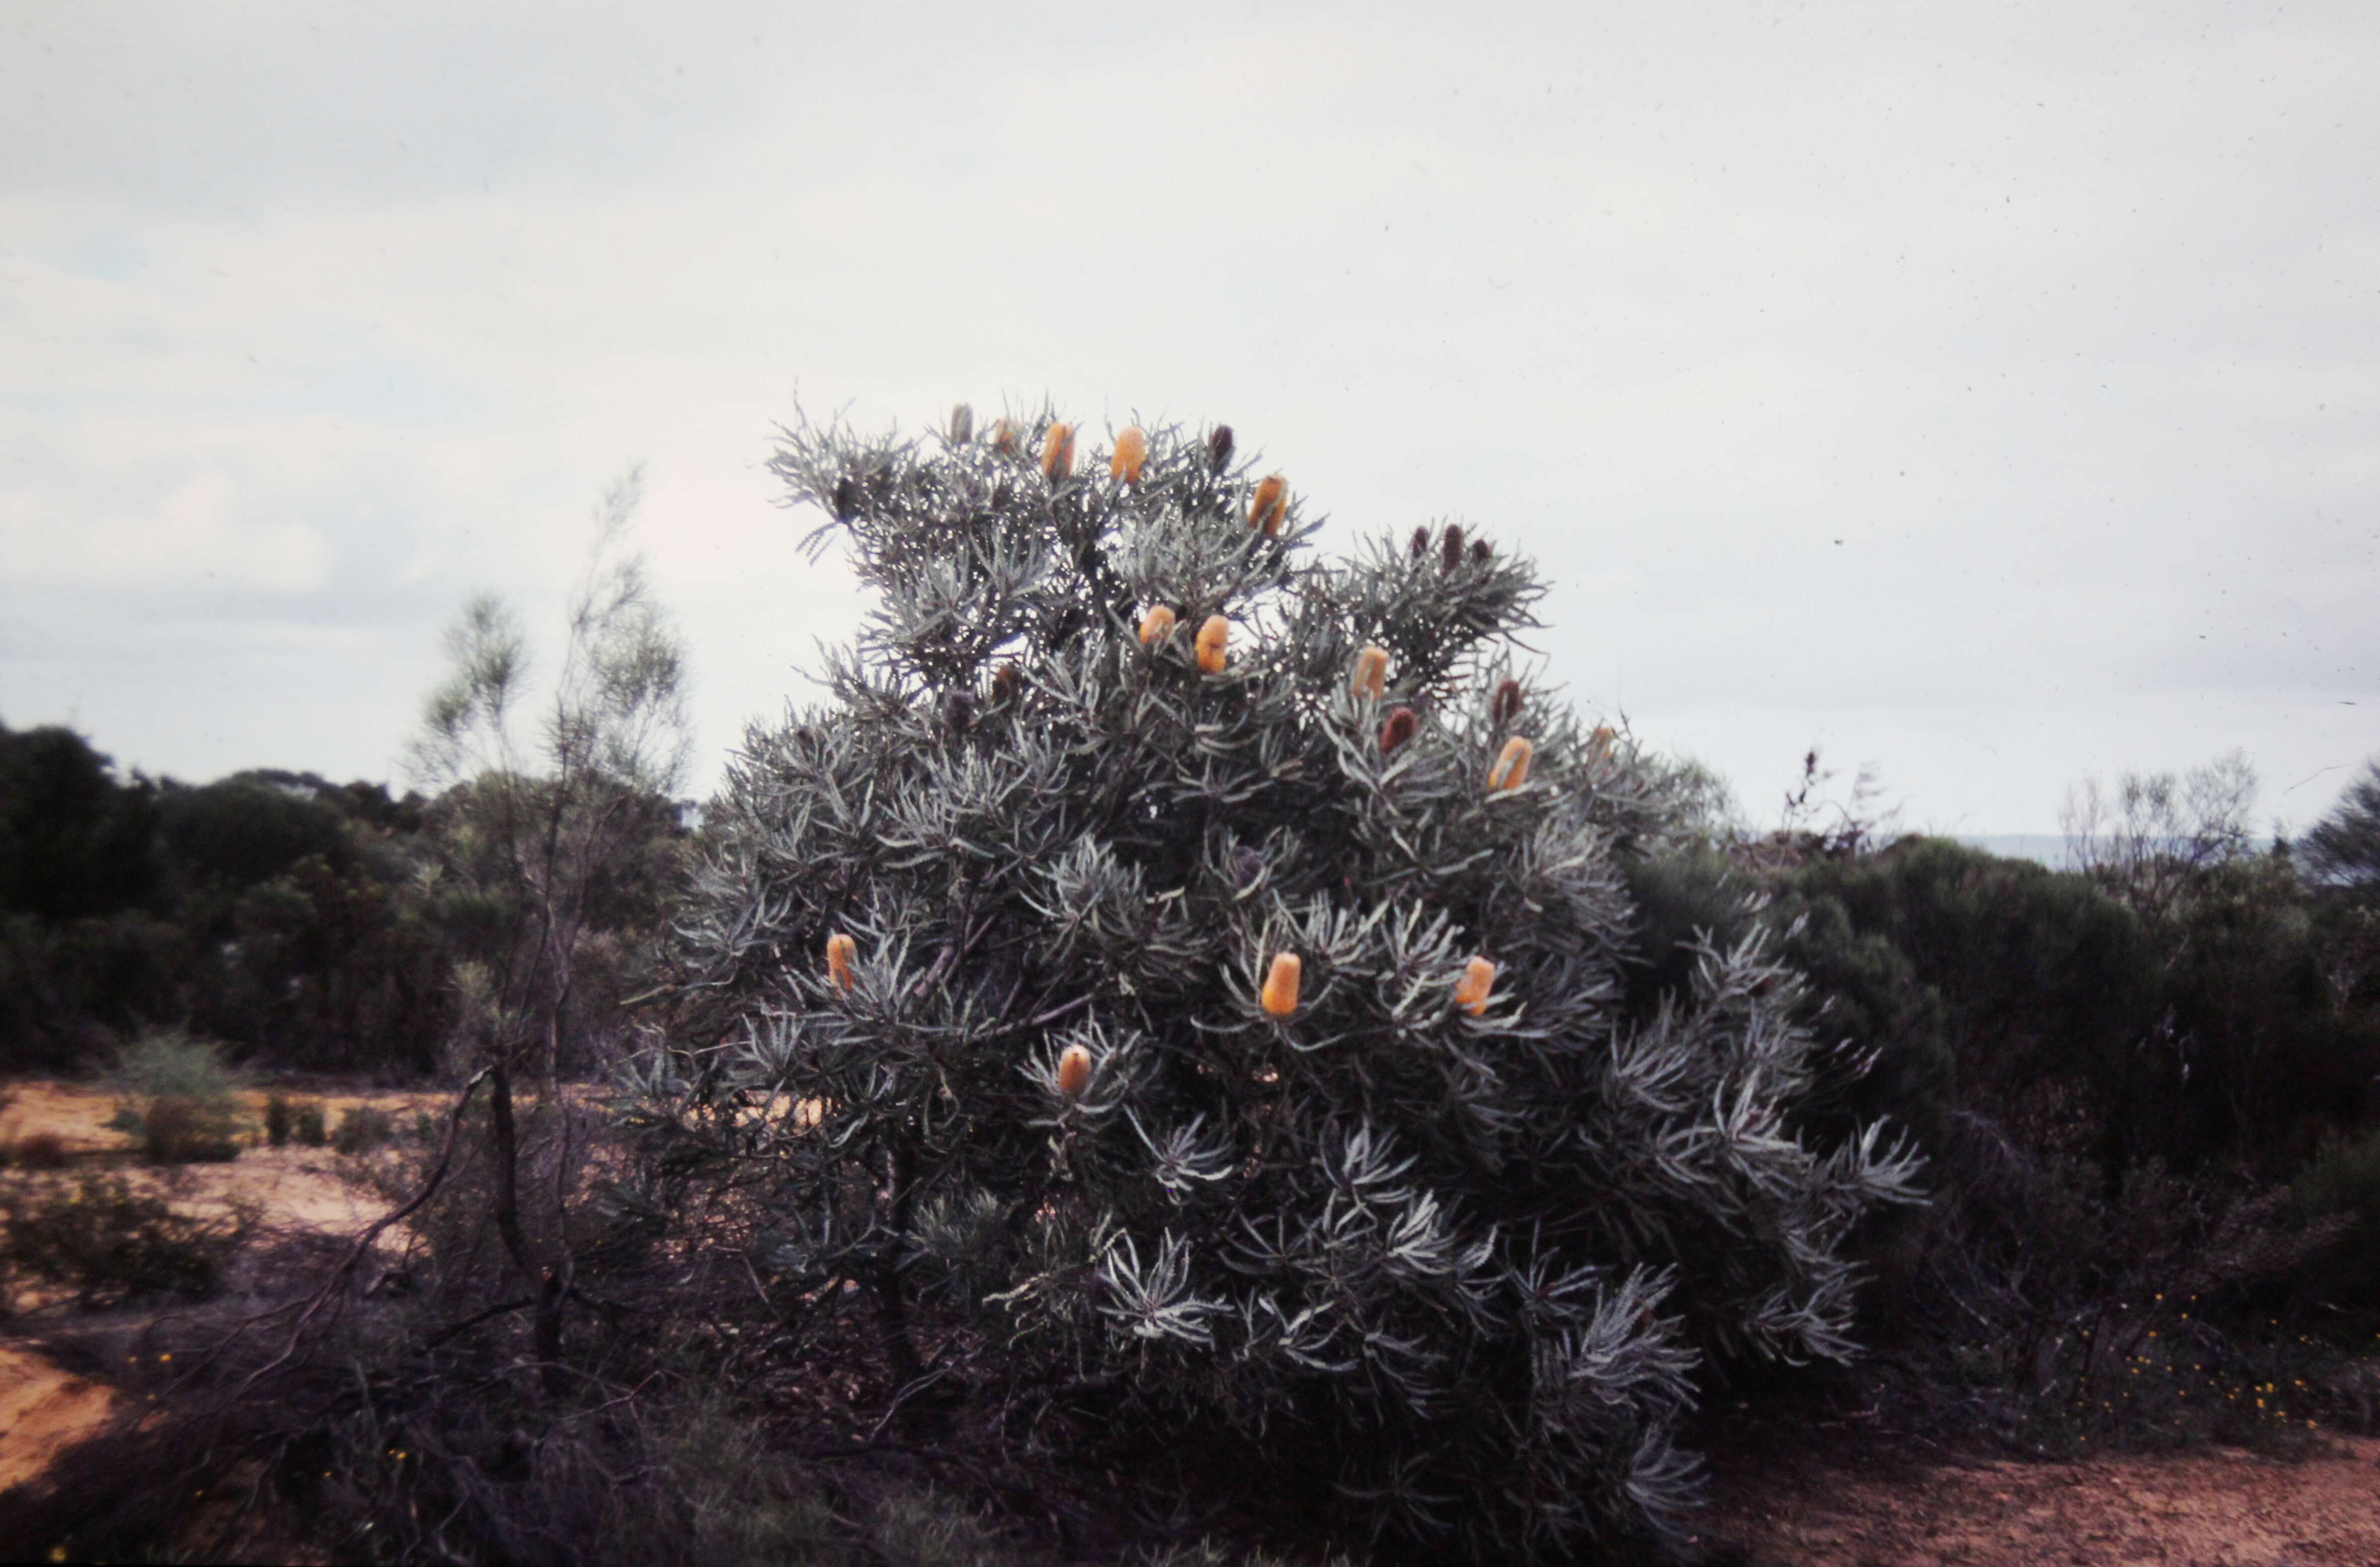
column 1073, row 1071
column 1512, row 769
column 1281, row 984
column 840, row 950
column 1131, row 453
column 1058, row 453
column 1003, row 438
column 1213, row 639
column 1471, row 991
column 1156, row 627
column 1598, row 745
column 1270, row 501
column 961, row 425
column 1371, row 677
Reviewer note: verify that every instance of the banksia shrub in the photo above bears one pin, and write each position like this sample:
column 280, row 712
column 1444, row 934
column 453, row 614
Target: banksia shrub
column 1154, row 1124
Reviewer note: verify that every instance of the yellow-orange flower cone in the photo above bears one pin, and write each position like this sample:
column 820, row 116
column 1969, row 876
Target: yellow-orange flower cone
column 1213, row 638
column 1073, row 1071
column 1131, row 451
column 1471, row 991
column 1281, row 984
column 1270, row 501
column 1058, row 452
column 1156, row 625
column 1371, row 677
column 1003, row 438
column 840, row 950
column 1512, row 769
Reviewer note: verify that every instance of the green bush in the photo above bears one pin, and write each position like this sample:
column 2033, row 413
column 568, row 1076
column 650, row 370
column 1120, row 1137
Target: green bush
column 362, row 1129
column 276, row 1121
column 306, row 1123
column 178, row 1130
column 187, row 1097
column 101, row 1240
column 2343, row 1178
column 37, row 1150
column 167, row 1062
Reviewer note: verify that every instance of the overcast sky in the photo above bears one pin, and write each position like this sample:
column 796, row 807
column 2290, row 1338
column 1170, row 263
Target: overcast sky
column 1983, row 391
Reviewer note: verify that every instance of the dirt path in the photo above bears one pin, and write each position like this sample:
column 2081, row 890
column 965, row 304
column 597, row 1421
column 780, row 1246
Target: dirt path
column 42, row 1413
column 2220, row 1507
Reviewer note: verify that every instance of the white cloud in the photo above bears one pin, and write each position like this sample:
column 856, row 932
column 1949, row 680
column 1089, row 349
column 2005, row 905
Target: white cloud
column 2060, row 321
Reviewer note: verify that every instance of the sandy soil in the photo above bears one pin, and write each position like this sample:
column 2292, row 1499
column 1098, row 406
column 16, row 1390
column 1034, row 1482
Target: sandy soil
column 42, row 1410
column 42, row 1413
column 1808, row 1508
column 2218, row 1508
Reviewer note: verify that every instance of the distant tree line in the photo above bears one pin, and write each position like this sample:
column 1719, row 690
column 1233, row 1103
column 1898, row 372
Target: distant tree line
column 308, row 925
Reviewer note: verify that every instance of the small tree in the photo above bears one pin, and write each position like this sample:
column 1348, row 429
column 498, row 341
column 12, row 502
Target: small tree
column 538, row 831
column 1198, row 970
column 2344, row 847
column 2152, row 835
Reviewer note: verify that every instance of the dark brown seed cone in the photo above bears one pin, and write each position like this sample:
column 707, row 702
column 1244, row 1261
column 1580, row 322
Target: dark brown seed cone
column 961, row 425
column 1403, row 724
column 1004, row 683
column 1480, row 552
column 958, row 713
column 1218, row 448
column 1420, row 542
column 1506, row 706
column 846, row 498
column 1449, row 549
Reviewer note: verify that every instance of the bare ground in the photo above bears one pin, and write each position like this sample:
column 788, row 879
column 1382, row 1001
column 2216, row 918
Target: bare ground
column 44, row 1410
column 1868, row 1505
column 1778, row 1503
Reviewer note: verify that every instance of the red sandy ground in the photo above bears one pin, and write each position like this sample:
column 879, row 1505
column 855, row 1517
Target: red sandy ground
column 42, row 1411
column 2219, row 1507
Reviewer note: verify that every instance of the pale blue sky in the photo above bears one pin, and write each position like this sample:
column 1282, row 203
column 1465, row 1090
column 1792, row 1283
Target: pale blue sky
column 2062, row 320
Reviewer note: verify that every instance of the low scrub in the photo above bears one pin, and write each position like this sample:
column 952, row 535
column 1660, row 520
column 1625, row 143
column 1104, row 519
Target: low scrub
column 109, row 1244
column 363, row 1129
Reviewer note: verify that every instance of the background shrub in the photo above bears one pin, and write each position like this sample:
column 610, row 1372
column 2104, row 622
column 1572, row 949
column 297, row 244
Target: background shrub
column 107, row 1244
column 307, row 1124
column 363, row 1128
column 184, row 1106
